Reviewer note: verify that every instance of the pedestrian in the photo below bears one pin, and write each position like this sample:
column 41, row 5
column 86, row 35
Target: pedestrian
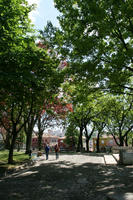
column 47, row 151
column 57, row 149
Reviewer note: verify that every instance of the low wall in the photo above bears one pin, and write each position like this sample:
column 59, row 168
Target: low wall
column 125, row 154
column 126, row 158
column 117, row 149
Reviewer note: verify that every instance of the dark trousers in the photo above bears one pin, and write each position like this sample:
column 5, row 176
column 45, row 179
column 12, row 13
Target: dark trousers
column 57, row 155
column 47, row 155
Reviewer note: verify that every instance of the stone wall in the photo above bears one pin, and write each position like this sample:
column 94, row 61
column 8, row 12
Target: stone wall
column 125, row 154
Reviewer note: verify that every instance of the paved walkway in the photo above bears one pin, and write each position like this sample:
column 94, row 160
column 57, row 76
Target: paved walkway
column 110, row 160
column 72, row 177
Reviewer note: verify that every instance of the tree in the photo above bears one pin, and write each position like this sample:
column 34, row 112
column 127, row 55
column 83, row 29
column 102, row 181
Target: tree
column 100, row 125
column 15, row 117
column 96, row 37
column 89, row 133
column 20, row 140
column 54, row 111
column 15, row 45
column 85, row 107
column 26, row 71
column 28, row 128
column 72, row 135
column 14, row 29
column 44, row 121
column 119, row 121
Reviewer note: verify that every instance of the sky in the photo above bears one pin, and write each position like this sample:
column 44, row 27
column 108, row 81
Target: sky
column 44, row 12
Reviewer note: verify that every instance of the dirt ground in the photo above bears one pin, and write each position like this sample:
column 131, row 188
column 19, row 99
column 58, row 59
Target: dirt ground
column 71, row 177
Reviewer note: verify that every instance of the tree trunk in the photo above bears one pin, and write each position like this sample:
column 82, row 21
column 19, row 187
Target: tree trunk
column 40, row 141
column 115, row 139
column 28, row 142
column 97, row 144
column 18, row 147
column 8, row 141
column 126, row 141
column 80, row 142
column 28, row 127
column 88, row 137
column 10, row 158
column 121, row 141
column 78, row 146
column 87, row 145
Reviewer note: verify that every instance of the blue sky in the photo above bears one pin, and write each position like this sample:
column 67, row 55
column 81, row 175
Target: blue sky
column 44, row 12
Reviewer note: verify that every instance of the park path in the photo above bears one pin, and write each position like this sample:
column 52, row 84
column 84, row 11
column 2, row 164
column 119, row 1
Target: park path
column 72, row 177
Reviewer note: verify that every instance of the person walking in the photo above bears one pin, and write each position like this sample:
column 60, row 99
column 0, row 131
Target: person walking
column 47, row 151
column 57, row 149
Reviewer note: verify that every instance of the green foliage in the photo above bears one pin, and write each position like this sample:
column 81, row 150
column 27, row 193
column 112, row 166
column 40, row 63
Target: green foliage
column 119, row 121
column 72, row 135
column 21, row 138
column 14, row 41
column 96, row 37
column 28, row 73
column 130, row 138
column 19, row 157
column 108, row 113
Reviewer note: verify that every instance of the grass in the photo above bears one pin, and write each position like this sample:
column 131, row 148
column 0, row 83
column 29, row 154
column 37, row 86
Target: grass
column 18, row 157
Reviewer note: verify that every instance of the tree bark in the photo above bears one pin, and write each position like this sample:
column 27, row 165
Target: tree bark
column 28, row 127
column 80, row 142
column 28, row 142
column 87, row 144
column 40, row 140
column 8, row 141
column 97, row 143
column 10, row 158
column 121, row 141
column 88, row 137
column 126, row 141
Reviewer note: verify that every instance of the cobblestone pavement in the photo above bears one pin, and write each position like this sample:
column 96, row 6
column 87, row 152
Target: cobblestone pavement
column 72, row 177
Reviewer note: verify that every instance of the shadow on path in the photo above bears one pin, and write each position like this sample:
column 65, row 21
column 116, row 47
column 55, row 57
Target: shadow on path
column 65, row 180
